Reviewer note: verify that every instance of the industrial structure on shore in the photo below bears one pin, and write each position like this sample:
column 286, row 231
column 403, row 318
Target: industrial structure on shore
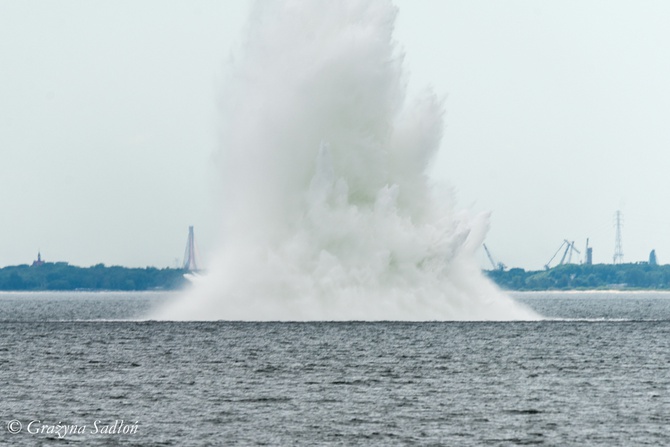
column 569, row 254
column 191, row 256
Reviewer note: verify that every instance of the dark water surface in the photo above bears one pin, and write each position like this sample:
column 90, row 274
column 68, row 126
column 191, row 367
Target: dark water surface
column 596, row 376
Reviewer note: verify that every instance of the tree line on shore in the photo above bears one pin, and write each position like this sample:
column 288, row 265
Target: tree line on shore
column 584, row 277
column 62, row 276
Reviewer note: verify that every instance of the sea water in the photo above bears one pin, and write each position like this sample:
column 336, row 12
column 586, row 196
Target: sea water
column 593, row 373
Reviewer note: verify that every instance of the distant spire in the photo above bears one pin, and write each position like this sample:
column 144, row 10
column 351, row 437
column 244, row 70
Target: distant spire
column 39, row 259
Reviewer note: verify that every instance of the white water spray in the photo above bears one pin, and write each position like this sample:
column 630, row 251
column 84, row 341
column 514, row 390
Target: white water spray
column 329, row 212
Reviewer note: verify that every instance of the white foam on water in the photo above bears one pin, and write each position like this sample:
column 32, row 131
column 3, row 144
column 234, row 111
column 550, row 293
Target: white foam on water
column 329, row 213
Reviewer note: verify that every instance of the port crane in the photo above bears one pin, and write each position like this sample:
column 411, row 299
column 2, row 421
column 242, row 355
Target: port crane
column 496, row 265
column 567, row 253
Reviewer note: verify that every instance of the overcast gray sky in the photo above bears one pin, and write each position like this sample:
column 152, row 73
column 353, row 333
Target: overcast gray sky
column 556, row 117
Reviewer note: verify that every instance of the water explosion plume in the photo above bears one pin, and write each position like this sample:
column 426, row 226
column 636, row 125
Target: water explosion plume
column 329, row 212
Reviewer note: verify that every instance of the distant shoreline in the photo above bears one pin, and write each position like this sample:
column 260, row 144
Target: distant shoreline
column 589, row 291
column 60, row 276
column 595, row 277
